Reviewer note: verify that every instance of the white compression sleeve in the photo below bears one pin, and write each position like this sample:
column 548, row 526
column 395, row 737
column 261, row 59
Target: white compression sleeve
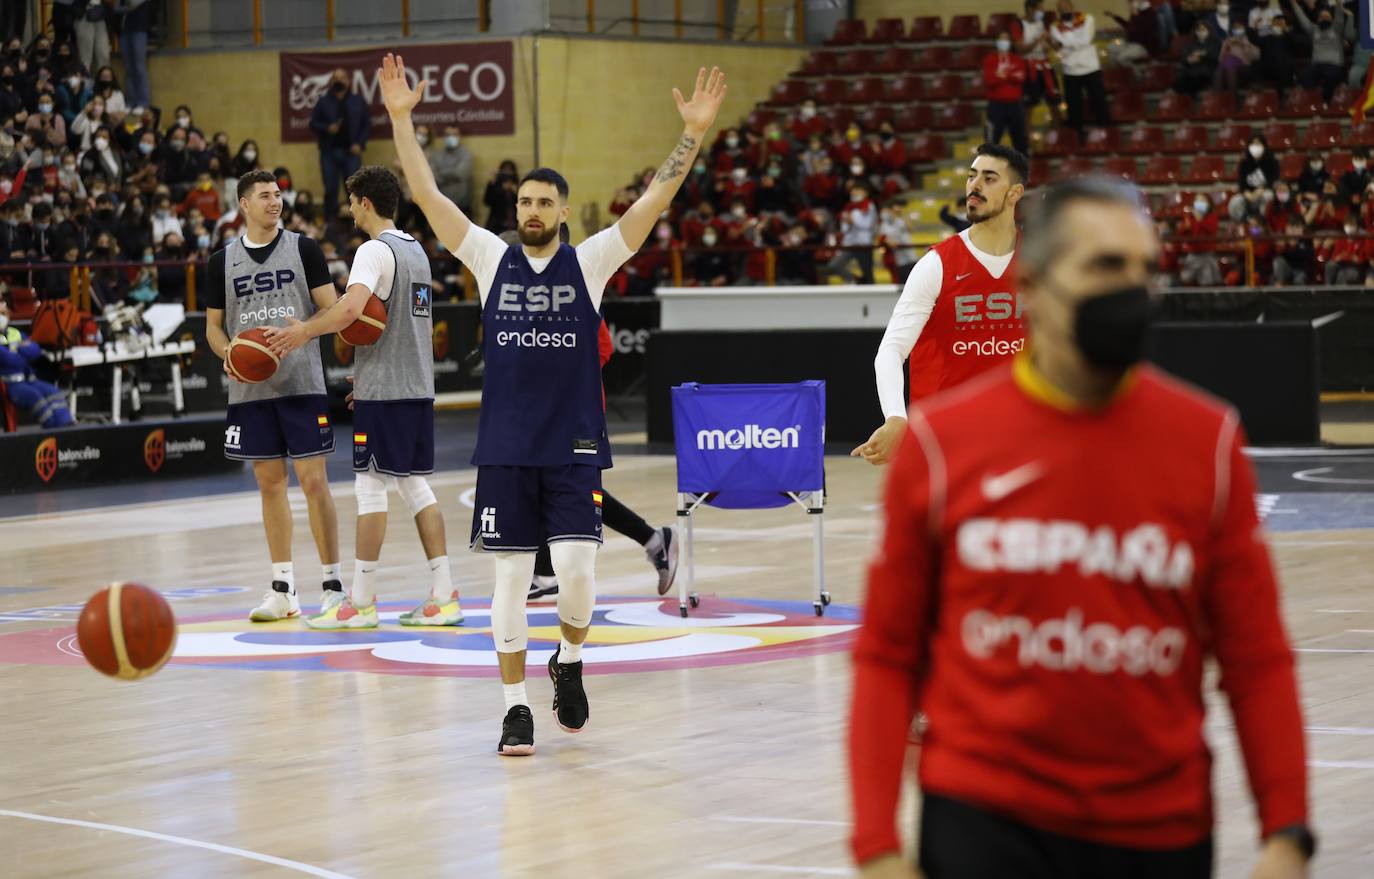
column 509, row 627
column 909, row 318
column 415, row 491
column 574, row 561
column 370, row 489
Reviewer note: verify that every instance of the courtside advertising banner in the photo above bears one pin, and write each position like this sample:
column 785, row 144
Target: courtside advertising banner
column 749, row 443
column 471, row 85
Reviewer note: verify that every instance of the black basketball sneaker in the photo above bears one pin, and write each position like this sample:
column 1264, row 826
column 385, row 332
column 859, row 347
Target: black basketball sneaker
column 569, row 699
column 517, row 733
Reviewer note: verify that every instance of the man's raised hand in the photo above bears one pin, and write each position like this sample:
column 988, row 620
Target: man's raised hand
column 699, row 113
column 397, row 94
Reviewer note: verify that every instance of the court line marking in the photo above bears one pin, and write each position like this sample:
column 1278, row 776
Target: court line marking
column 782, row 868
column 181, row 840
column 741, row 819
column 1343, row 730
column 1333, row 650
column 1342, row 764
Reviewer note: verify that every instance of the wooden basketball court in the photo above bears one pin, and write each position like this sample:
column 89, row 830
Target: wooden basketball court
column 715, row 747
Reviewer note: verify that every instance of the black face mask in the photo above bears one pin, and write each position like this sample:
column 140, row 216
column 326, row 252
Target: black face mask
column 1110, row 329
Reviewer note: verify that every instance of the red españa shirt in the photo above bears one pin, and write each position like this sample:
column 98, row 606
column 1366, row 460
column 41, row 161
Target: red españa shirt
column 1051, row 581
column 976, row 323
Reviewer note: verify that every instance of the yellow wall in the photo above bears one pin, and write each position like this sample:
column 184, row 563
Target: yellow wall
column 606, row 107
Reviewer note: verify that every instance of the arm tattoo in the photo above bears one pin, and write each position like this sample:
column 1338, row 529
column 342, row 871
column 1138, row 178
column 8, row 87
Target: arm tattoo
column 677, row 160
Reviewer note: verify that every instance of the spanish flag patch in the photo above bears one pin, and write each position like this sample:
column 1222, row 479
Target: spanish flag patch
column 322, row 420
column 596, row 498
column 360, row 439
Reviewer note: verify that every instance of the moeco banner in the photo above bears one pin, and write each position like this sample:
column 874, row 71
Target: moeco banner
column 471, row 85
column 748, row 444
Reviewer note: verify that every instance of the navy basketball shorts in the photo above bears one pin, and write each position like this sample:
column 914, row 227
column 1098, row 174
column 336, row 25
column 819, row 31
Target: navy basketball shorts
column 395, row 437
column 296, row 427
column 518, row 509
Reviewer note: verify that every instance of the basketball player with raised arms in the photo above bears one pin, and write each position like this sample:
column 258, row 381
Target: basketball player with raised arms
column 959, row 314
column 393, row 403
column 541, row 443
column 260, row 279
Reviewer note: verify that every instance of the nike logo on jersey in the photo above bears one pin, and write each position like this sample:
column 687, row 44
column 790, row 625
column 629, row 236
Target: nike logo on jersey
column 996, row 487
column 963, row 276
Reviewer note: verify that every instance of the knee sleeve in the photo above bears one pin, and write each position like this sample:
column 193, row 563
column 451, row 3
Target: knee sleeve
column 415, row 491
column 574, row 561
column 509, row 627
column 371, row 491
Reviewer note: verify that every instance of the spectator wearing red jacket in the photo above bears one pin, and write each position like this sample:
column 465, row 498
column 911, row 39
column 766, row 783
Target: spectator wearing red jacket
column 1004, row 82
column 807, row 123
column 1199, row 229
column 1345, row 257
column 822, row 189
column 1050, row 594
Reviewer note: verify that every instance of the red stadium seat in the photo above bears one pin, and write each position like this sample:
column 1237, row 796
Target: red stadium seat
column 1206, row 170
column 904, row 89
column 1342, row 100
column 926, row 148
column 865, row 91
column 1117, row 80
column 856, row 62
column 818, row 64
column 830, row 91
column 932, row 58
column 874, row 117
column 998, row 22
column 1073, row 166
column 839, row 117
column 1173, row 107
column 1060, row 142
column 1338, row 163
column 893, row 60
column 963, row 27
column 1322, row 135
column 944, row 87
column 970, row 57
column 1157, row 78
column 1099, row 142
column 1216, row 106
column 887, row 30
column 1360, row 134
column 1120, row 166
column 1145, row 139
column 1162, row 170
column 848, row 32
column 1291, row 165
column 926, row 29
column 914, row 117
column 1281, row 135
column 1302, row 104
column 1041, row 170
column 1262, row 104
column 790, row 92
column 1231, row 137
column 1187, row 139
column 954, row 117
column 1128, row 107
column 757, row 120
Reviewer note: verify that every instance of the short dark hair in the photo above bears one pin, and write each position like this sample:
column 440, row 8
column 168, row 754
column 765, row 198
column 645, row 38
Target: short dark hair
column 253, row 178
column 377, row 185
column 1040, row 238
column 549, row 176
column 1014, row 158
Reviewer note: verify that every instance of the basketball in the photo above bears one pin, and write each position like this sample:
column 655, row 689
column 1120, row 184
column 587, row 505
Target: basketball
column 250, row 358
column 367, row 329
column 127, row 631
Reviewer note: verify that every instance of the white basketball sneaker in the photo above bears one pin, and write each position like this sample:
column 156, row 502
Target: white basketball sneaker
column 280, row 603
column 332, row 597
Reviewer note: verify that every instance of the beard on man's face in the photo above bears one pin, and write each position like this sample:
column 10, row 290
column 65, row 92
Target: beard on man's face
column 537, row 237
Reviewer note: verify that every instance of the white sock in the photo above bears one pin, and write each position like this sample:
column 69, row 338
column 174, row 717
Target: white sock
column 440, row 579
column 515, row 695
column 569, row 652
column 363, row 593
column 332, row 572
column 655, row 544
column 283, row 571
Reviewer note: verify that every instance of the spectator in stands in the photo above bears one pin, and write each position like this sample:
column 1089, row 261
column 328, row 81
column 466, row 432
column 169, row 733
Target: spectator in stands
column 171, row 277
column 1074, row 33
column 1249, row 205
column 1327, row 69
column 1235, row 59
column 739, row 185
column 956, row 219
column 141, row 170
column 68, row 177
column 729, row 152
column 133, row 45
column 1325, row 213
column 796, row 263
column 47, row 126
column 808, row 123
column 92, row 34
column 13, row 14
column 107, row 89
column 134, row 229
column 711, row 267
column 1198, row 61
column 1004, row 82
column 1262, row 16
column 11, row 101
column 1034, row 44
column 775, row 196
column 1314, row 176
column 499, row 198
column 72, row 94
column 1199, row 266
column 858, row 232
column 180, row 165
column 857, row 176
column 1355, row 180
column 895, row 237
column 775, row 145
column 165, row 220
column 810, row 159
column 1282, row 209
column 698, row 186
column 452, row 165
column 653, row 265
column 1259, row 167
column 1346, row 256
column 203, row 198
column 43, row 402
column 82, row 127
column 245, row 160
column 342, row 123
column 1141, row 42
column 101, row 162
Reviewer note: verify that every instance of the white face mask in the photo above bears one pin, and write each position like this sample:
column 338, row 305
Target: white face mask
column 1201, row 206
column 739, row 175
column 1256, row 150
column 101, row 143
column 1004, row 45
column 1039, row 15
column 184, row 121
column 422, row 139
column 1358, row 164
column 1223, row 10
column 732, row 142
column 1351, row 230
column 452, row 141
column 808, row 112
column 738, row 210
column 250, row 155
column 856, row 170
column 708, row 240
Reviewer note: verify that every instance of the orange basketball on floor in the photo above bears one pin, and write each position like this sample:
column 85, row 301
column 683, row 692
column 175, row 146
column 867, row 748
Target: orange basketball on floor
column 250, row 358
column 127, row 631
column 369, row 325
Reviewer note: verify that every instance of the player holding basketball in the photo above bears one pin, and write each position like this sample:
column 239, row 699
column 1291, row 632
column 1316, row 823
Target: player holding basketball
column 1068, row 541
column 393, row 402
column 959, row 313
column 261, row 279
column 542, row 441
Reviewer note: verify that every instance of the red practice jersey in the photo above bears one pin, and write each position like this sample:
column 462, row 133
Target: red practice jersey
column 976, row 323
column 1051, row 581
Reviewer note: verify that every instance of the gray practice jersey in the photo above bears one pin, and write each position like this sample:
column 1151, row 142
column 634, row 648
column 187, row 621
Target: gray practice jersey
column 265, row 294
column 400, row 365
